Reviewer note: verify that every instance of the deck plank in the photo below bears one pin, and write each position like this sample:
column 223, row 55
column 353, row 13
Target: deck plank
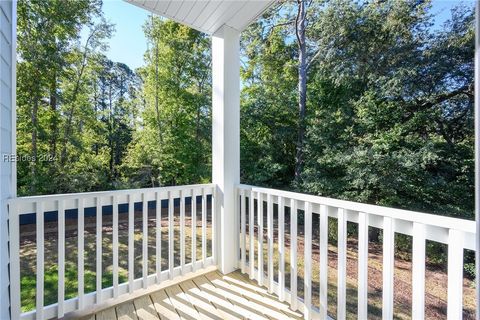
column 210, row 296
column 126, row 311
column 145, row 309
column 107, row 314
column 223, row 305
column 239, row 302
column 163, row 306
column 179, row 301
column 250, row 290
column 250, row 284
column 203, row 306
column 268, row 307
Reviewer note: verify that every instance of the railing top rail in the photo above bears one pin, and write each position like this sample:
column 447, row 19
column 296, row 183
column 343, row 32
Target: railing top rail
column 53, row 197
column 406, row 215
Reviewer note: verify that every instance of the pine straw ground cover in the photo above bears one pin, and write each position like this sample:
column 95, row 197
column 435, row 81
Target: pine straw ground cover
column 436, row 276
column 435, row 284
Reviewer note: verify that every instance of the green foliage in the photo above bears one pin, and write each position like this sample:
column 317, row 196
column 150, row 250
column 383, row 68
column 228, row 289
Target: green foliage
column 57, row 119
column 401, row 132
column 87, row 123
column 268, row 107
column 172, row 143
column 470, row 270
column 389, row 108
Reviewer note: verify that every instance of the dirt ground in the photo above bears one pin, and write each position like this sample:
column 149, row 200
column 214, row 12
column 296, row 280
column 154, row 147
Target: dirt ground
column 436, row 276
column 435, row 282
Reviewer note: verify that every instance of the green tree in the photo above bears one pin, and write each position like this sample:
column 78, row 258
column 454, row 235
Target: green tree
column 389, row 100
column 268, row 105
column 172, row 142
column 393, row 114
column 48, row 32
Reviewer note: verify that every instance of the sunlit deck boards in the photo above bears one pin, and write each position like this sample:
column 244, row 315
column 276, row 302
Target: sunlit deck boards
column 209, row 296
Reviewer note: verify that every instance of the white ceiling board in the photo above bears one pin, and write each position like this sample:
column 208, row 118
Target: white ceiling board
column 151, row 4
column 212, row 6
column 173, row 8
column 185, row 9
column 238, row 23
column 223, row 14
column 207, row 15
column 161, row 6
column 196, row 11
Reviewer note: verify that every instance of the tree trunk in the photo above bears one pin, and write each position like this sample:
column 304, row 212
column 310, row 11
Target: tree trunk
column 54, row 120
column 68, row 125
column 33, row 166
column 157, row 109
column 111, row 130
column 302, row 87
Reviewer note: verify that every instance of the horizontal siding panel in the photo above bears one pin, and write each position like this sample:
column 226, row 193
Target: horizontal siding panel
column 5, row 25
column 6, row 7
column 6, row 177
column 5, row 73
column 5, row 168
column 5, row 94
column 5, row 141
column 5, row 186
column 6, row 49
column 5, row 118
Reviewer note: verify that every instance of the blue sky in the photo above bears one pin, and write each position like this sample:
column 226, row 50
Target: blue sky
column 441, row 8
column 128, row 44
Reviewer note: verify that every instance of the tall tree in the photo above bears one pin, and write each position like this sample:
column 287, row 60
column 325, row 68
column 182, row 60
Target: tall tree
column 172, row 144
column 46, row 34
column 300, row 25
column 389, row 103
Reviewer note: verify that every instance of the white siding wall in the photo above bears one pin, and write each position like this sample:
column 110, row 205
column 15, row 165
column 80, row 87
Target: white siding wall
column 7, row 139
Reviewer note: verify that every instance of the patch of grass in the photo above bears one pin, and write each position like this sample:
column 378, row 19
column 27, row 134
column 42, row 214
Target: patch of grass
column 28, row 285
column 28, row 261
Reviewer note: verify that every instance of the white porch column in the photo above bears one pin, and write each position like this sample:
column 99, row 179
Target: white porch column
column 477, row 149
column 226, row 140
column 7, row 139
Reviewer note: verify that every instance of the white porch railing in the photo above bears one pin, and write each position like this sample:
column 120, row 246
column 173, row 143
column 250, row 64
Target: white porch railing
column 174, row 198
column 458, row 234
column 123, row 209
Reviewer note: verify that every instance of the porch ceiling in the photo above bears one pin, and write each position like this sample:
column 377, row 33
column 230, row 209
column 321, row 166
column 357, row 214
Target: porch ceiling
column 207, row 15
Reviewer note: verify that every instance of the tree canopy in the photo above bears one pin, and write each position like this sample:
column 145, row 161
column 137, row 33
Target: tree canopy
column 389, row 110
column 386, row 116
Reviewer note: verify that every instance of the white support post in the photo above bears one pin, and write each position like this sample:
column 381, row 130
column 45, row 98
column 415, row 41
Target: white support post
column 226, row 140
column 477, row 149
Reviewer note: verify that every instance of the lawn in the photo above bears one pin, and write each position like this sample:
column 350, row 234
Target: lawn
column 28, row 255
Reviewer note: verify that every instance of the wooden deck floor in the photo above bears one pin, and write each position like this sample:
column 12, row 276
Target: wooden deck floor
column 210, row 296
